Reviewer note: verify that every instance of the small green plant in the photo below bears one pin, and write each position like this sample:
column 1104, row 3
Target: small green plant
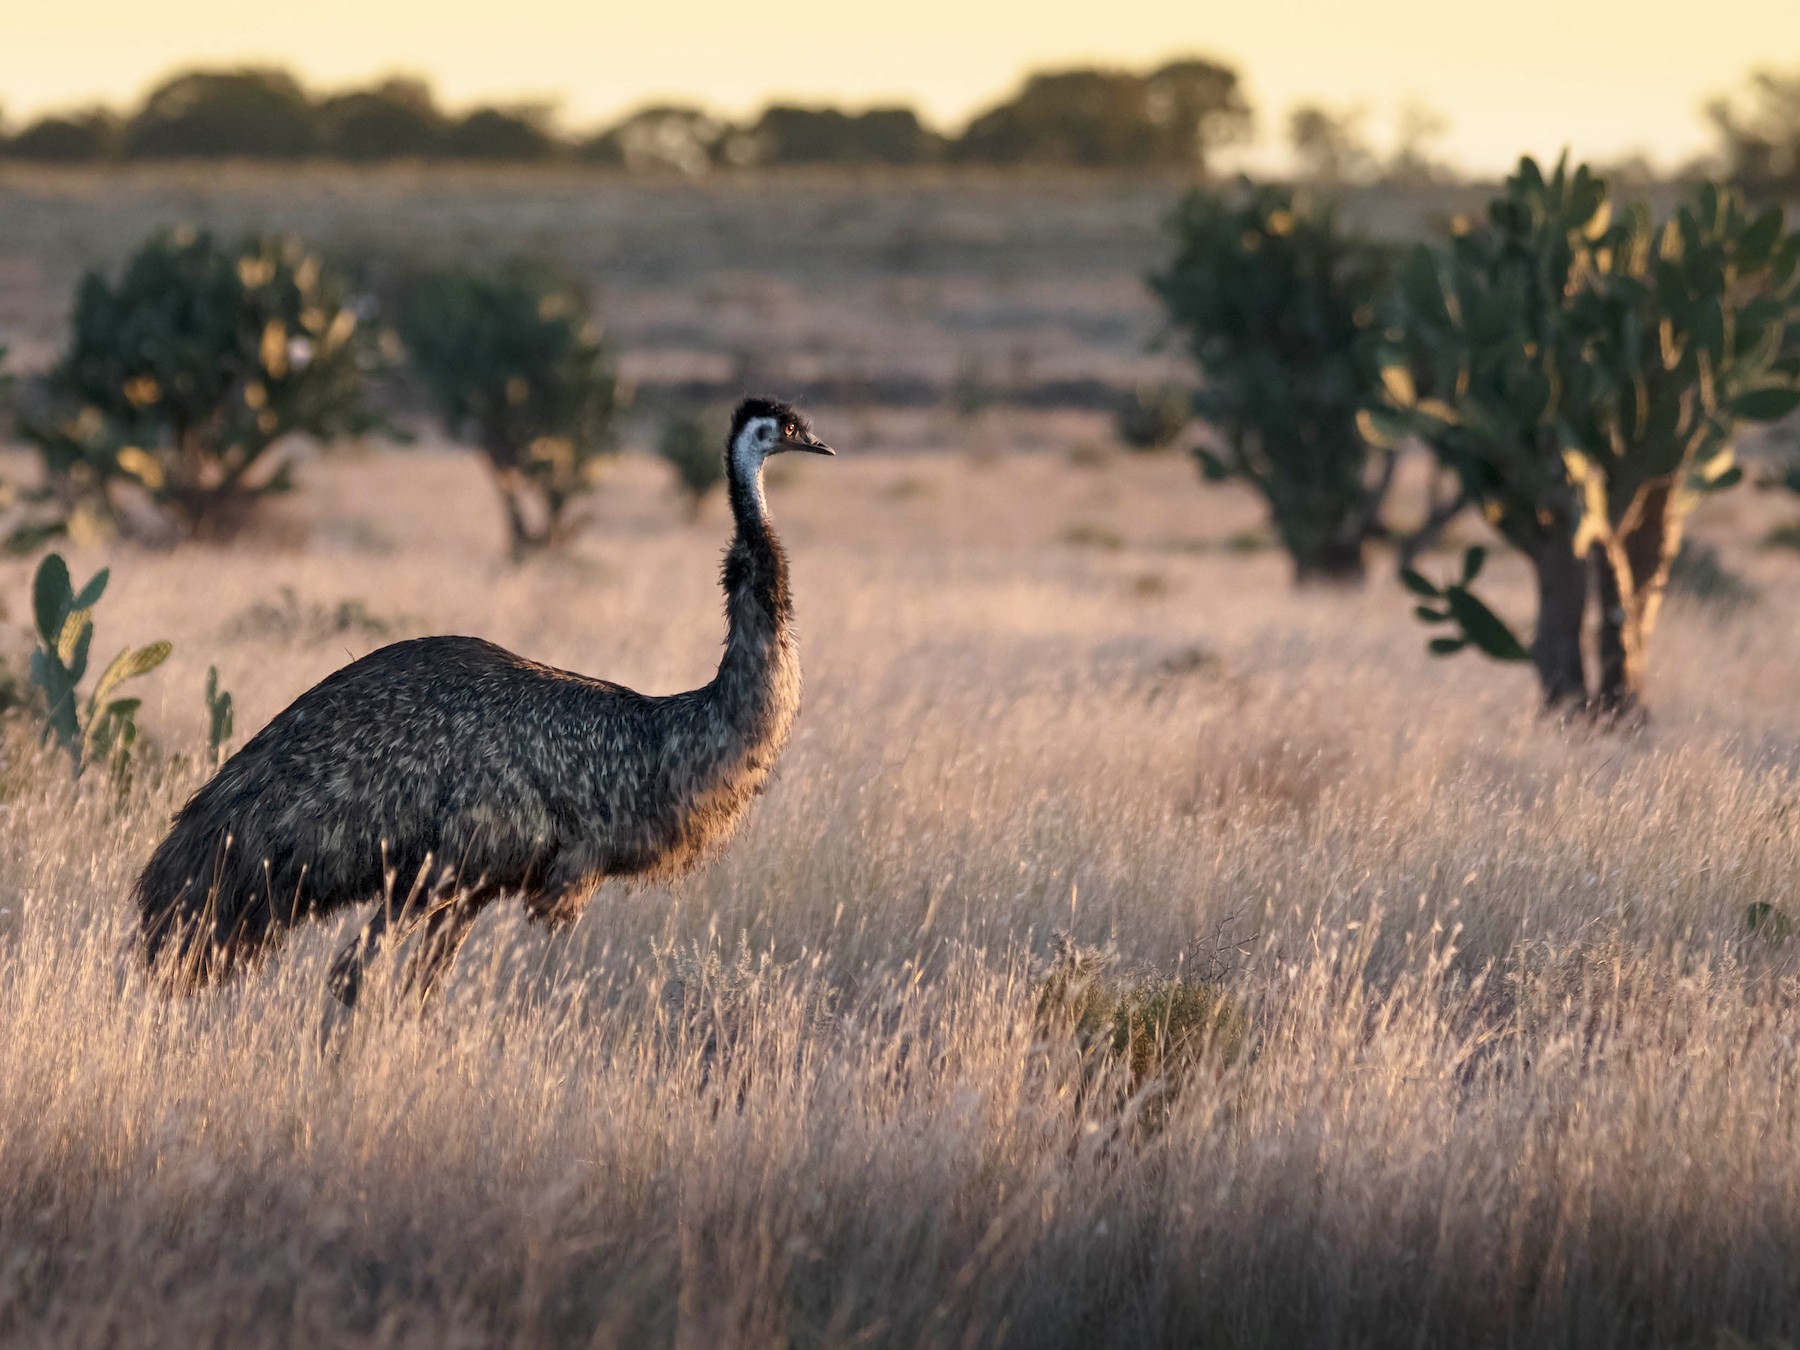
column 1278, row 306
column 104, row 728
column 1454, row 604
column 1154, row 417
column 1154, row 1032
column 515, row 362
column 694, row 448
column 219, row 718
column 185, row 379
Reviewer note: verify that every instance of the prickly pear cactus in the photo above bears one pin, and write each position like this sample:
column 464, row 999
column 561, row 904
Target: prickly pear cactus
column 1583, row 376
column 104, row 728
column 184, row 377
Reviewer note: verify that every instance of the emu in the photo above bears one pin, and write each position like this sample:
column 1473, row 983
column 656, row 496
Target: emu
column 463, row 772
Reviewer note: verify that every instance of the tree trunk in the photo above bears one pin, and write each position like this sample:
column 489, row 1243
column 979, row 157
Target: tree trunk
column 1634, row 572
column 1332, row 563
column 1562, row 580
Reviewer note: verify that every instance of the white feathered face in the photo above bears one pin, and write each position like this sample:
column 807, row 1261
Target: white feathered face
column 774, row 429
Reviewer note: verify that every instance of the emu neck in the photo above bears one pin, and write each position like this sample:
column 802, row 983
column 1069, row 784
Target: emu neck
column 758, row 608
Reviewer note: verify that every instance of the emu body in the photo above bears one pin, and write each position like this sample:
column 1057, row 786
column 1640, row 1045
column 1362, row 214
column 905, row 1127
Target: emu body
column 443, row 772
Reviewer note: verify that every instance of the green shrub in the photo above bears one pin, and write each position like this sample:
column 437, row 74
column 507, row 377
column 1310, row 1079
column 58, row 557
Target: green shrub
column 1278, row 306
column 693, row 447
column 186, row 377
column 514, row 362
column 252, row 111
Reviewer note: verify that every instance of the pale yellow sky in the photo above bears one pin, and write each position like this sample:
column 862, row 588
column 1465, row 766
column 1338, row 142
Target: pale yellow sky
column 1606, row 77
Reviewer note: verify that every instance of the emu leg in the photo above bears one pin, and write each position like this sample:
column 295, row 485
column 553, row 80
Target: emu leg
column 445, row 932
column 394, row 920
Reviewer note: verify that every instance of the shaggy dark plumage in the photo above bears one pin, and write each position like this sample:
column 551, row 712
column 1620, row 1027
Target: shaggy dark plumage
column 445, row 771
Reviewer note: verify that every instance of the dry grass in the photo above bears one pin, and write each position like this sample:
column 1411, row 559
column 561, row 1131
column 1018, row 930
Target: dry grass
column 1514, row 1072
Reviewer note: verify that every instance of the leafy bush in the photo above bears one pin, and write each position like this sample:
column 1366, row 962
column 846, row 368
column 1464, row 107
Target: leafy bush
column 104, row 728
column 789, row 135
column 252, row 111
column 66, row 138
column 396, row 118
column 1278, row 305
column 1176, row 115
column 693, row 447
column 185, row 377
column 501, row 134
column 1584, row 379
column 515, row 362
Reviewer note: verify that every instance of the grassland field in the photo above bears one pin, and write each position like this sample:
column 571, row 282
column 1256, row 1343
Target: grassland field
column 1515, row 1070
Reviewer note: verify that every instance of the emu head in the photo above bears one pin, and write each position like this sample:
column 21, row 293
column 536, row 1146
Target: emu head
column 764, row 426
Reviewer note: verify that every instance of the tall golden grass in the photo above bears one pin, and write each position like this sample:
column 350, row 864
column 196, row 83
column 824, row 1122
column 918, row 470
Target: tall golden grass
column 1516, row 1073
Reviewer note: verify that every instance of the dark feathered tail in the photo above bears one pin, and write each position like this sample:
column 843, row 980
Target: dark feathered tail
column 204, row 905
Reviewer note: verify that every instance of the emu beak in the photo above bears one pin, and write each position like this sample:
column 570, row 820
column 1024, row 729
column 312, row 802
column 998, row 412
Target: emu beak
column 807, row 442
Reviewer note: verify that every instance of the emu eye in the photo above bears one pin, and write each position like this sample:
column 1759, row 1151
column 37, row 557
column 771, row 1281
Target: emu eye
column 788, row 431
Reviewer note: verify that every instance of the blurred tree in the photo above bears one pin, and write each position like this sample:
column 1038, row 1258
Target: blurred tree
column 398, row 118
column 1196, row 106
column 66, row 138
column 212, row 113
column 666, row 137
column 514, row 361
column 791, row 135
column 185, row 377
column 693, row 446
column 1761, row 143
column 1278, row 305
column 1414, row 163
column 521, row 133
column 1329, row 147
column 1112, row 118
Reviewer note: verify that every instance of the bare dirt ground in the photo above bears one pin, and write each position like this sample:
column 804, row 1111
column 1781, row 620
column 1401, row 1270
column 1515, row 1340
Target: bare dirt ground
column 1515, row 1071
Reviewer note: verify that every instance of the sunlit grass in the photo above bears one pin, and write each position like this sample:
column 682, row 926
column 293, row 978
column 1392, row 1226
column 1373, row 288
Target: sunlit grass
column 1514, row 1069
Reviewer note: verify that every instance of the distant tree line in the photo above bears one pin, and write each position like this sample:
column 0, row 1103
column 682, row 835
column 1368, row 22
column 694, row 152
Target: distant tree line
column 1174, row 116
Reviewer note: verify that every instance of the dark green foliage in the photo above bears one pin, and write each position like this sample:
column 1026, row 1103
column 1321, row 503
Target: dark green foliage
column 501, row 134
column 694, row 447
column 1584, row 378
column 1453, row 603
column 790, row 135
column 219, row 718
column 1277, row 304
column 1155, row 417
column 184, row 377
column 1174, row 116
column 396, row 119
column 104, row 729
column 252, row 111
column 66, row 138
column 515, row 363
